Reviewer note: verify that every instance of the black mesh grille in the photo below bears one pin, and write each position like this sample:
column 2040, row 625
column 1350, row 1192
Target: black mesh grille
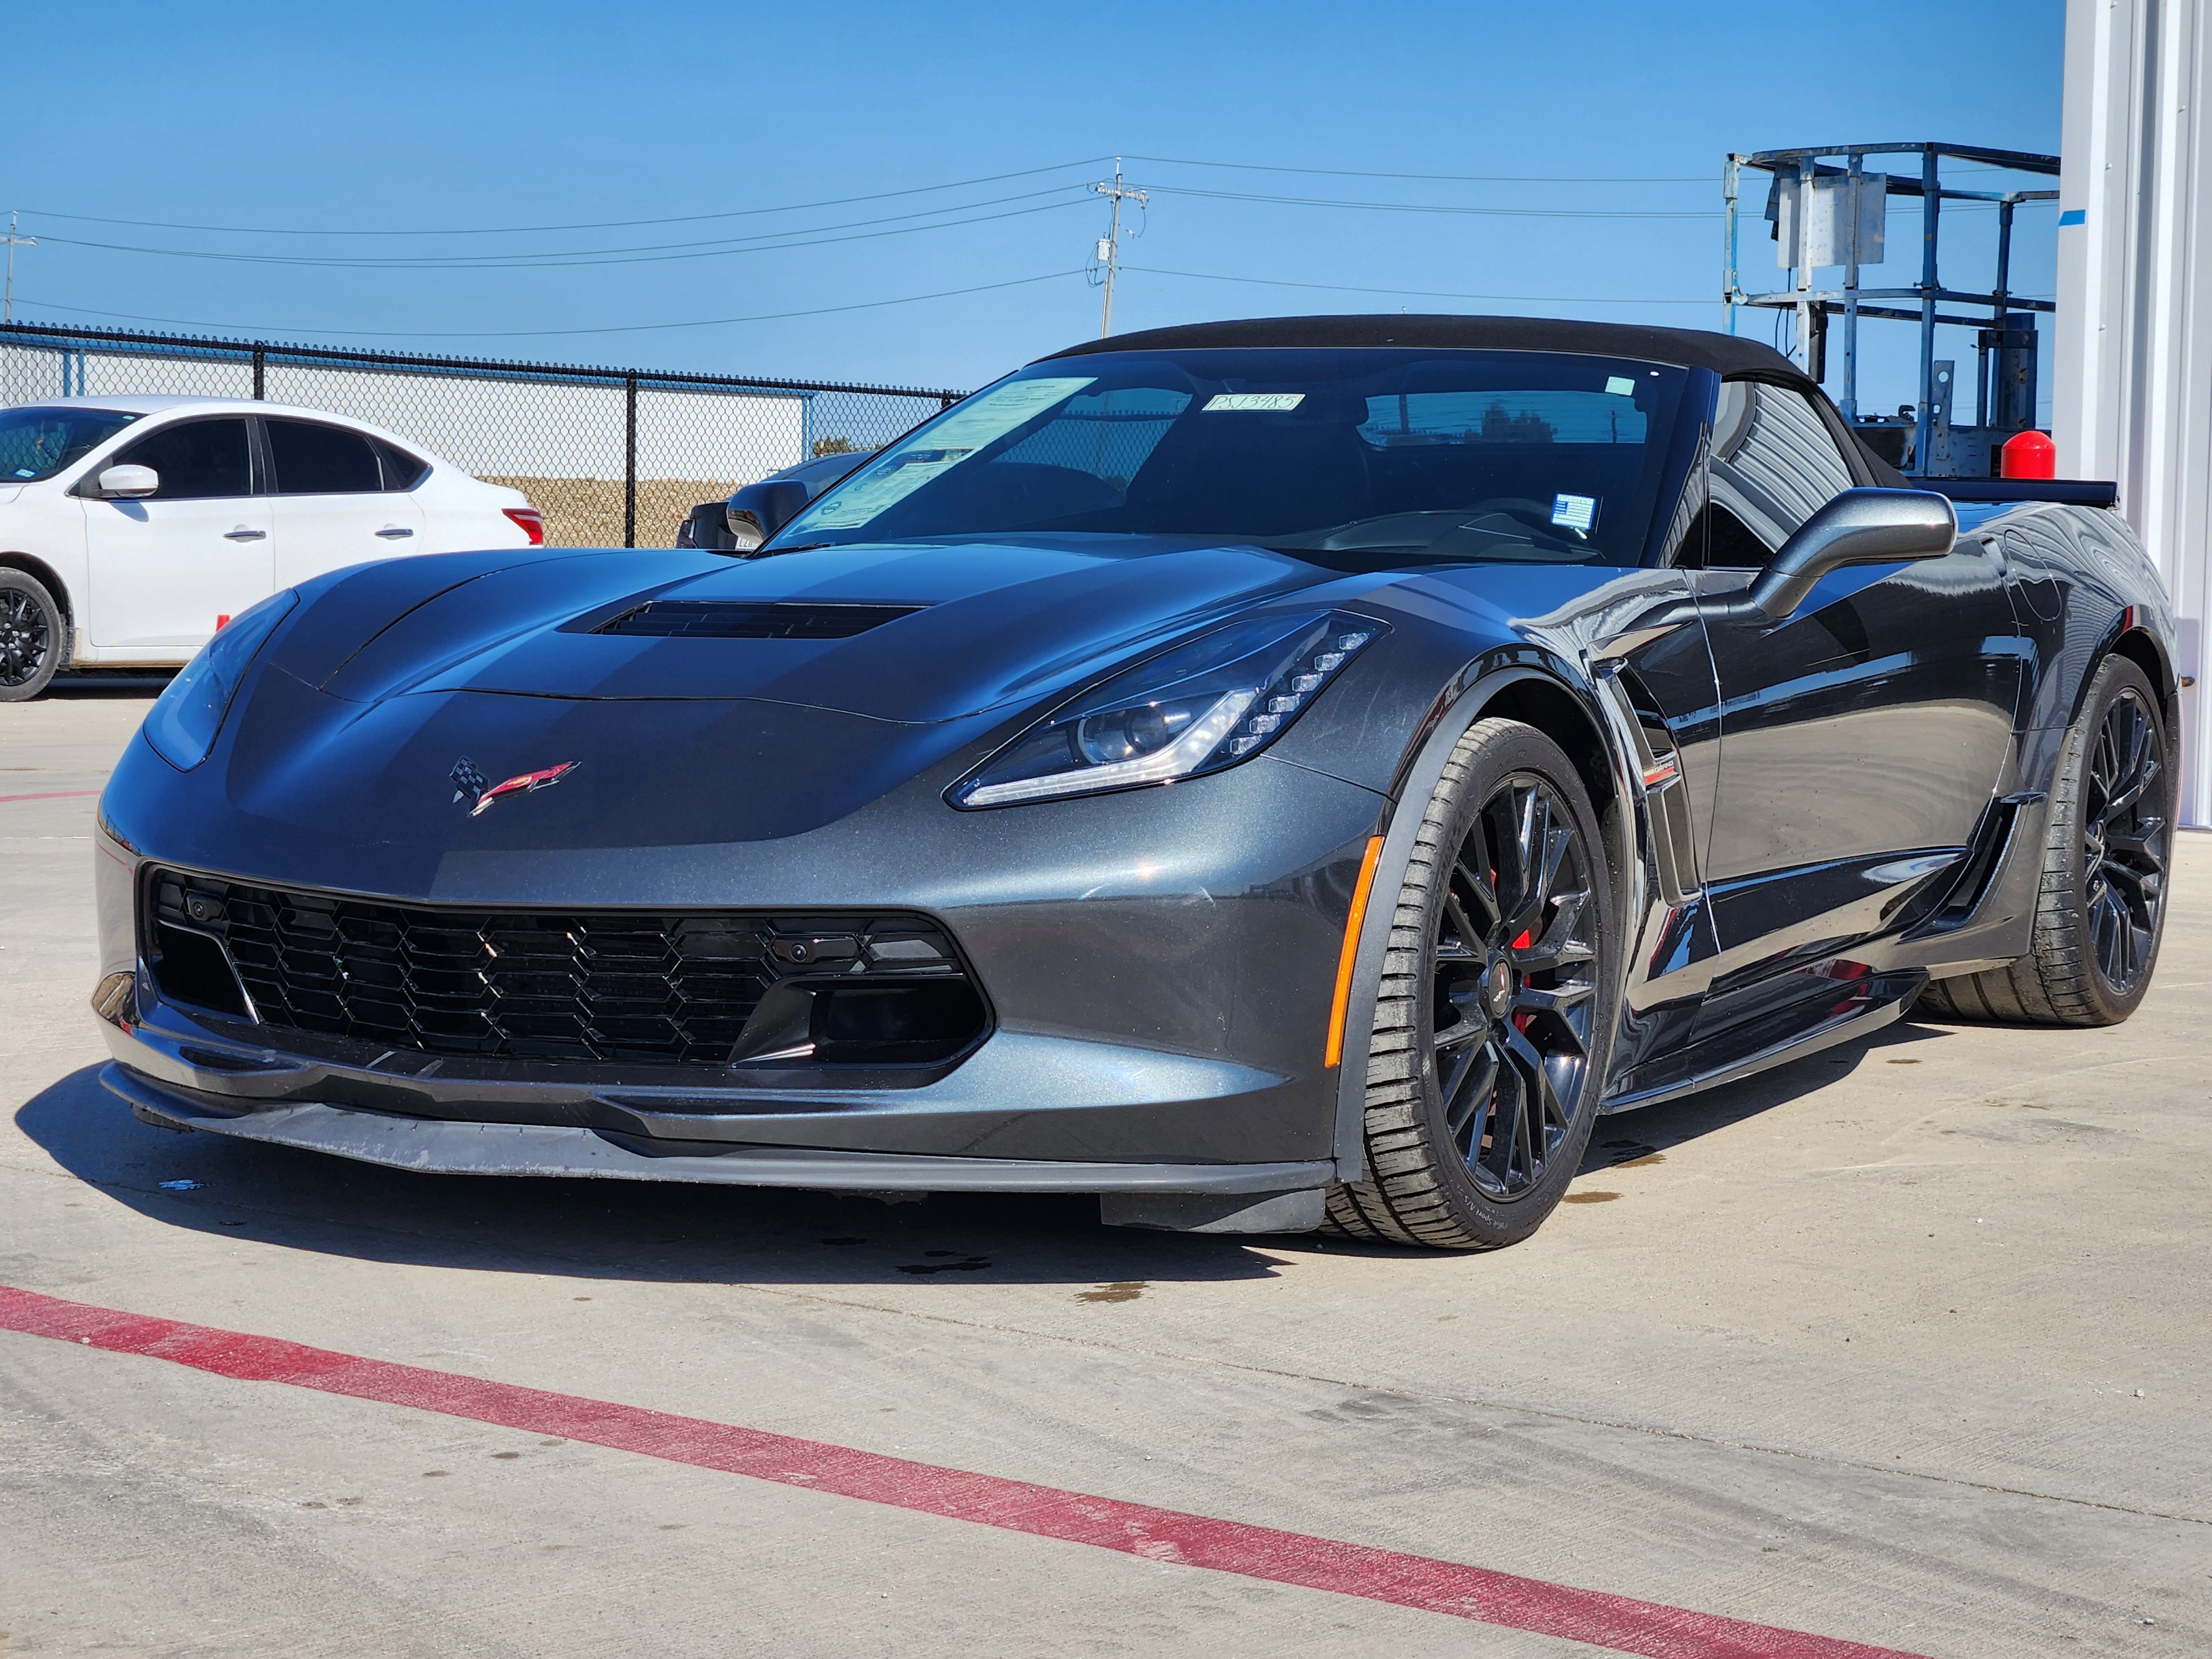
column 712, row 619
column 663, row 988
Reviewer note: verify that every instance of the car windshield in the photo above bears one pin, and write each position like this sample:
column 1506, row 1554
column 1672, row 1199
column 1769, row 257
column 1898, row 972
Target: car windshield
column 37, row 443
column 1361, row 458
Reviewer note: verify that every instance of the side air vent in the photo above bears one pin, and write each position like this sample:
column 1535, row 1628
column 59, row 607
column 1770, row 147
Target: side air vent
column 710, row 619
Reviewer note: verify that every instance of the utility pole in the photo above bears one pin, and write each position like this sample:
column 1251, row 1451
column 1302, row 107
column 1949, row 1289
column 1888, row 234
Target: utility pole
column 14, row 242
column 1109, row 244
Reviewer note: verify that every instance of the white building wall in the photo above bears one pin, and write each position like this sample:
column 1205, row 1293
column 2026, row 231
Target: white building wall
column 2132, row 364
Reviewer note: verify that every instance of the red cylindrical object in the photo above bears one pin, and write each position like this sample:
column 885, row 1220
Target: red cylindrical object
column 2030, row 455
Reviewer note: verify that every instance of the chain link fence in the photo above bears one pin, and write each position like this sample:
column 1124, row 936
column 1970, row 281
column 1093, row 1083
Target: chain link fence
column 612, row 457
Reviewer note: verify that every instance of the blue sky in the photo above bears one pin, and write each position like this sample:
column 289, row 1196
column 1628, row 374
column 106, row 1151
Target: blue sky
column 409, row 118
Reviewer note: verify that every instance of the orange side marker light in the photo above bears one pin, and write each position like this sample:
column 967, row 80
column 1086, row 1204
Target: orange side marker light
column 1333, row 1054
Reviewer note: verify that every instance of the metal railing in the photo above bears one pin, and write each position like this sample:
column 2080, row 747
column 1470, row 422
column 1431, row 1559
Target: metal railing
column 611, row 456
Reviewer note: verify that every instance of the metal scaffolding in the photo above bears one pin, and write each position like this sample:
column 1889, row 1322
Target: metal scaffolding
column 2004, row 398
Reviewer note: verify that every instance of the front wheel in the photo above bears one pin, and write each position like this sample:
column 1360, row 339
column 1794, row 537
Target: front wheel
column 31, row 635
column 1494, row 1019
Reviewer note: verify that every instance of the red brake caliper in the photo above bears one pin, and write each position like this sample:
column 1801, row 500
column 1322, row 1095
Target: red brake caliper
column 1521, row 1021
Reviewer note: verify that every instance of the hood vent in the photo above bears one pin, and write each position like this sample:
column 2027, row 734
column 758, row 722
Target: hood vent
column 715, row 619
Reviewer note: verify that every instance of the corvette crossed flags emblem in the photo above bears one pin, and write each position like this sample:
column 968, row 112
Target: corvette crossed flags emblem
column 469, row 783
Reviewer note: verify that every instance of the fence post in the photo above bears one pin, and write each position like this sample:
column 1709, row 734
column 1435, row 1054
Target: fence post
column 629, row 461
column 260, row 370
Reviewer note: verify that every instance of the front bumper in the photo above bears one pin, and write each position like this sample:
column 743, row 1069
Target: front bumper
column 1159, row 965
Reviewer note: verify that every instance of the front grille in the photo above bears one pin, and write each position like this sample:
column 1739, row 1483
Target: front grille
column 689, row 989
column 717, row 619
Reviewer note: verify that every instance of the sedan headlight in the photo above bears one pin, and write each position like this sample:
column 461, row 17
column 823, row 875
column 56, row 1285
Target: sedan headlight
column 1200, row 707
column 184, row 720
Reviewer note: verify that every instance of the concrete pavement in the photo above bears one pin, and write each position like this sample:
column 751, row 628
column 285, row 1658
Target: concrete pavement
column 1905, row 1343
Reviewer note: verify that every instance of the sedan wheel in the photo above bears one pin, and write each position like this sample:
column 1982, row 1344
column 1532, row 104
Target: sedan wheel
column 1484, row 1066
column 31, row 635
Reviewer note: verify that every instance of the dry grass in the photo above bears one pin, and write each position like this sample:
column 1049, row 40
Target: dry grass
column 588, row 511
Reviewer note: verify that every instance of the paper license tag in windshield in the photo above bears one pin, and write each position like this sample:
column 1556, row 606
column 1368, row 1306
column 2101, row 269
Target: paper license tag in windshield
column 1250, row 403
column 983, row 419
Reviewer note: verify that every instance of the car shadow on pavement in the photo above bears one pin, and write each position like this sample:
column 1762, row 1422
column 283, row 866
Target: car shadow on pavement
column 1646, row 1134
column 672, row 1232
column 680, row 1232
column 147, row 682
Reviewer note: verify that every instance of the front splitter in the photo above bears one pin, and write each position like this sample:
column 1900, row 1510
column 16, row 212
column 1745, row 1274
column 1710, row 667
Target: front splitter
column 441, row 1146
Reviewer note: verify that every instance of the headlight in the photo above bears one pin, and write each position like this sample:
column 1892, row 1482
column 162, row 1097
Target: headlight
column 184, row 720
column 1202, row 706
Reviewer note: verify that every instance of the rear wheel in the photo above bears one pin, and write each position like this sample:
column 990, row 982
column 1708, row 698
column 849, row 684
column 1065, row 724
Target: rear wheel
column 1495, row 1014
column 31, row 635
column 2102, row 909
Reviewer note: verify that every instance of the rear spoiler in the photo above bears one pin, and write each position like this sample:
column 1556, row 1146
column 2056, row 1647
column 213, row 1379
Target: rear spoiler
column 2077, row 492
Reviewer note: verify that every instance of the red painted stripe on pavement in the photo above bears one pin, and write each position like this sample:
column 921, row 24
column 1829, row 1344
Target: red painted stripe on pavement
column 59, row 795
column 1645, row 1628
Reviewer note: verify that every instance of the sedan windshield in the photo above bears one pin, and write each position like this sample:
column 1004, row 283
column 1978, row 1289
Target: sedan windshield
column 37, row 443
column 1360, row 459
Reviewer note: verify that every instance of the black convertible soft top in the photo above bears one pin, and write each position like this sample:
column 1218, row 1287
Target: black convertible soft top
column 1691, row 348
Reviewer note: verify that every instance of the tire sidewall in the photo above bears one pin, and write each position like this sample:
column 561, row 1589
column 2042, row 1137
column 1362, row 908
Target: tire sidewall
column 22, row 581
column 2115, row 677
column 1508, row 749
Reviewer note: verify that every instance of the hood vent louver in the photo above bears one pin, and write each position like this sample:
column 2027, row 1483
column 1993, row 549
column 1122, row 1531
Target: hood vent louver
column 718, row 619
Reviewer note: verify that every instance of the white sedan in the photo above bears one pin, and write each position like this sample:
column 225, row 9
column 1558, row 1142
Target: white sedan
column 132, row 528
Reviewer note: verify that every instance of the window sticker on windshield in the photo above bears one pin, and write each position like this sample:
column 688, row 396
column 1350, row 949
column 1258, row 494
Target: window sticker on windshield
column 1575, row 512
column 1251, row 402
column 977, row 423
column 1620, row 386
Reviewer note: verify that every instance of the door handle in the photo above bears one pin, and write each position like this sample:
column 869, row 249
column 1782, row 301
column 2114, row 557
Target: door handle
column 245, row 533
column 393, row 531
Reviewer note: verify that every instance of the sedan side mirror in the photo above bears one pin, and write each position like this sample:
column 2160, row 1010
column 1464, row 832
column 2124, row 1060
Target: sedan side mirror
column 1860, row 527
column 759, row 510
column 129, row 484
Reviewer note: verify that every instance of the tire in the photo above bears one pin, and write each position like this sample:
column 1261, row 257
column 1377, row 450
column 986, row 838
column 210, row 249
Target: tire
column 33, row 635
column 2101, row 911
column 1494, row 1020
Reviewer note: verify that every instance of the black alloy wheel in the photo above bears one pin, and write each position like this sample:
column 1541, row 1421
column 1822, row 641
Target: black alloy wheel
column 2102, row 906
column 31, row 635
column 1513, row 988
column 2124, row 830
column 1493, row 1020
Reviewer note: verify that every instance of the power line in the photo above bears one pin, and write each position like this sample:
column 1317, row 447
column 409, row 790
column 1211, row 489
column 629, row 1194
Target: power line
column 584, row 259
column 1436, row 178
column 1419, row 293
column 533, row 333
column 1436, row 207
column 847, row 201
column 603, row 224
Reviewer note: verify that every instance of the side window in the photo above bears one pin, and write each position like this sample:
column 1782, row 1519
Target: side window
column 321, row 460
column 1719, row 540
column 401, row 470
column 195, row 459
column 1774, row 466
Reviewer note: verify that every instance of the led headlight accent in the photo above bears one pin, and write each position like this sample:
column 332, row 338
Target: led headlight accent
column 1199, row 707
column 184, row 720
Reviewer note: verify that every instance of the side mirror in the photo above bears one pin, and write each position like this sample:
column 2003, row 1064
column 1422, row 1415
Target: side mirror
column 1860, row 527
column 759, row 510
column 129, row 484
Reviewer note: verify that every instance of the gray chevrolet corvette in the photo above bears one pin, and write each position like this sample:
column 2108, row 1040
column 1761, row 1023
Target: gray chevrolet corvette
column 1269, row 775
